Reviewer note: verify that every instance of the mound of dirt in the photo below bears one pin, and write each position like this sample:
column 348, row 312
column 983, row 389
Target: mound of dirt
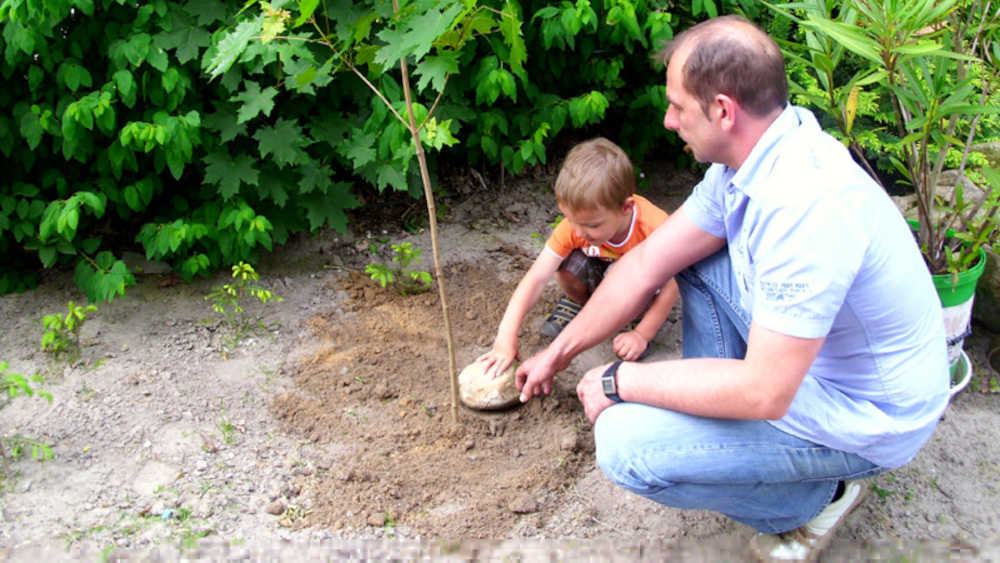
column 378, row 385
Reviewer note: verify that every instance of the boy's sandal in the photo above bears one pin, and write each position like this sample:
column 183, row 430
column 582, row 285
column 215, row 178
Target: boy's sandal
column 566, row 309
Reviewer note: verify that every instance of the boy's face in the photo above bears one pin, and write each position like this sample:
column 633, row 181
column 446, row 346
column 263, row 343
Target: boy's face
column 598, row 225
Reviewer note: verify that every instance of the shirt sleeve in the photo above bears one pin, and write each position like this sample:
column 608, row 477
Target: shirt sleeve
column 561, row 241
column 704, row 207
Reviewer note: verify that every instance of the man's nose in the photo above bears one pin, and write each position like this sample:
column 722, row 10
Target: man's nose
column 668, row 120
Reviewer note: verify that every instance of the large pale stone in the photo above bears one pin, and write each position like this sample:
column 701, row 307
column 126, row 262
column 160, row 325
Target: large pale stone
column 482, row 392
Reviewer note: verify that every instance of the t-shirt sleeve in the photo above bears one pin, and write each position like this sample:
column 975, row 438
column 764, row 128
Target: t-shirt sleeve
column 704, row 205
column 807, row 256
column 561, row 241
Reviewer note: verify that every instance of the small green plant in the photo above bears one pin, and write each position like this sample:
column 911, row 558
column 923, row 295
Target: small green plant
column 405, row 280
column 882, row 493
column 229, row 300
column 226, row 428
column 389, row 525
column 62, row 332
column 15, row 385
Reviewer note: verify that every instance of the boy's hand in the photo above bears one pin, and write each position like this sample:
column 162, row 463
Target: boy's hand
column 498, row 359
column 630, row 345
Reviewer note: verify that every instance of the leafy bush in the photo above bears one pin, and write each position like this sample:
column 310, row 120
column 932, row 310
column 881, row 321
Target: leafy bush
column 114, row 134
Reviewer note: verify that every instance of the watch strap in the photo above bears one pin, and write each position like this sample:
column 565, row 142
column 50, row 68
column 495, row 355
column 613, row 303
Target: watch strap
column 609, row 382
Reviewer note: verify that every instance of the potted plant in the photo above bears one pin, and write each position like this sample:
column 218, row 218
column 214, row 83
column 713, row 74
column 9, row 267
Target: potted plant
column 907, row 84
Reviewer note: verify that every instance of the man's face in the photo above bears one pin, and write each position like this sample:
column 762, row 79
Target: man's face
column 685, row 116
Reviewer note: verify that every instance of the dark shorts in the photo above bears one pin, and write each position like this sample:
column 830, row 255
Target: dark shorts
column 585, row 268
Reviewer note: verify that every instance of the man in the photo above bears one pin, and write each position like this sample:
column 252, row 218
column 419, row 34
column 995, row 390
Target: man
column 814, row 349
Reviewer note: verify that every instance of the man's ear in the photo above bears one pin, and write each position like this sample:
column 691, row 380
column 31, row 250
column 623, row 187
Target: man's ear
column 725, row 108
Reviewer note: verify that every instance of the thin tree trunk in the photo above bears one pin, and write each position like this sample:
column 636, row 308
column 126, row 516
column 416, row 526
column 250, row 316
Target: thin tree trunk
column 432, row 220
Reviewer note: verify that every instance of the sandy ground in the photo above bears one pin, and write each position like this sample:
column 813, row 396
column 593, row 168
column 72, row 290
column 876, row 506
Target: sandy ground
column 329, row 434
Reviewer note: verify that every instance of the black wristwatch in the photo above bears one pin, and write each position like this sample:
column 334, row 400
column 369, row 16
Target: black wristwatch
column 610, row 382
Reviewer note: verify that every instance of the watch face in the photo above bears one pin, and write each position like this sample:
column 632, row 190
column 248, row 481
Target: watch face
column 609, row 385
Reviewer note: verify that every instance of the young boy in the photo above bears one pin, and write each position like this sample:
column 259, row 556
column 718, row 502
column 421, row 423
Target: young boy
column 603, row 219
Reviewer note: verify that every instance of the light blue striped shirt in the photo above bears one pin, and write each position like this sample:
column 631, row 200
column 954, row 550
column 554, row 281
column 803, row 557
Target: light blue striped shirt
column 818, row 249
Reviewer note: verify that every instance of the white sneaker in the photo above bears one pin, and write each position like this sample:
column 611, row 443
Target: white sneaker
column 806, row 543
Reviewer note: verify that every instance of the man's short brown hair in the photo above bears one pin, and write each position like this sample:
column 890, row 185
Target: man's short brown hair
column 732, row 56
column 596, row 173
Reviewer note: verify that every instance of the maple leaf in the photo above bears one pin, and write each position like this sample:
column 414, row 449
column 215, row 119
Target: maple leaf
column 224, row 121
column 435, row 70
column 510, row 29
column 272, row 186
column 255, row 101
column 232, row 46
column 418, row 37
column 284, row 141
column 389, row 175
column 230, row 173
column 314, row 178
column 183, row 37
column 358, row 148
column 426, row 27
column 207, row 11
column 330, row 127
column 306, row 9
column 328, row 209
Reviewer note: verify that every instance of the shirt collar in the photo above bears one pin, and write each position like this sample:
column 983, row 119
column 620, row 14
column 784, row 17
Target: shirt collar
column 759, row 162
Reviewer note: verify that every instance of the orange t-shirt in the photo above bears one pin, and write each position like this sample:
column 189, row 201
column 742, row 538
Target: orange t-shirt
column 646, row 217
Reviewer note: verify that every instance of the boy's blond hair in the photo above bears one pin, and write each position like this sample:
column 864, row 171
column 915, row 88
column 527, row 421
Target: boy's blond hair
column 596, row 173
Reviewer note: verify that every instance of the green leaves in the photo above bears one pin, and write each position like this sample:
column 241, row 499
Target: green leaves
column 175, row 114
column 255, row 101
column 283, row 142
column 62, row 217
column 510, row 28
column 588, row 108
column 306, row 9
column 434, row 70
column 139, row 195
column 125, row 83
column 73, row 75
column 328, row 208
column 104, row 278
column 232, row 46
column 230, row 173
column 414, row 36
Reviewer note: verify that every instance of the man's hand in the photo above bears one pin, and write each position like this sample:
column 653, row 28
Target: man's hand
column 591, row 393
column 630, row 345
column 535, row 375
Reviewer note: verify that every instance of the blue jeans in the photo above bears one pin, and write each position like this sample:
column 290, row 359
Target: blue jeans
column 745, row 469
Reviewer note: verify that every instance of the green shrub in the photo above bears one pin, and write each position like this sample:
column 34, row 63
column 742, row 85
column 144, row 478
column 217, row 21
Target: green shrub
column 114, row 135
